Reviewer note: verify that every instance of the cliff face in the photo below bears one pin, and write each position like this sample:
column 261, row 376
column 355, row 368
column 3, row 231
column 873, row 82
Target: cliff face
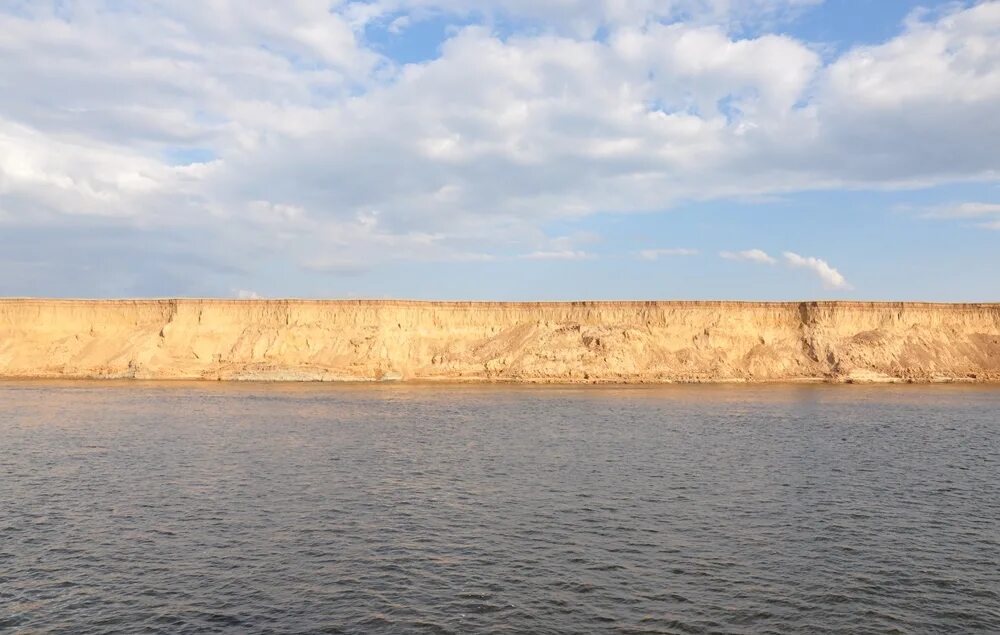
column 545, row 342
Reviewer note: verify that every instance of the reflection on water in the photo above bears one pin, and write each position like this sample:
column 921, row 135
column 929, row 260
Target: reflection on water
column 395, row 508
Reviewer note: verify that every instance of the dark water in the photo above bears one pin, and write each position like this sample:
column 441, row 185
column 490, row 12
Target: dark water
column 366, row 509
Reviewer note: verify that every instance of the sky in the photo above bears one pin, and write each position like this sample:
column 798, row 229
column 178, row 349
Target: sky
column 501, row 149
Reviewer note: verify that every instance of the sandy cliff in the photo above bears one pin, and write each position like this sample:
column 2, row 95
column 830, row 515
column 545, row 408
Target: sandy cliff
column 545, row 342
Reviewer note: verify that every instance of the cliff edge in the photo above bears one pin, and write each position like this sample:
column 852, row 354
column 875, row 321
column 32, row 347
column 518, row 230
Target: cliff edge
column 499, row 341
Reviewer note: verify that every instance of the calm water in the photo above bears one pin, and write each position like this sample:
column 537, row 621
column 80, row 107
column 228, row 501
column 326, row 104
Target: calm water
column 366, row 509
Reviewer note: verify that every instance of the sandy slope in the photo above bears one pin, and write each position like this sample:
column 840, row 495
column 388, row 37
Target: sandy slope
column 545, row 342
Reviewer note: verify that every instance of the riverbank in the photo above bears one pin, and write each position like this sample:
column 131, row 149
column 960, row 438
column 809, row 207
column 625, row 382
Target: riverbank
column 557, row 342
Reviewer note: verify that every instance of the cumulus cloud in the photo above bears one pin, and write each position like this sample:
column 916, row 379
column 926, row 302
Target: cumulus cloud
column 832, row 279
column 751, row 255
column 923, row 90
column 656, row 254
column 285, row 132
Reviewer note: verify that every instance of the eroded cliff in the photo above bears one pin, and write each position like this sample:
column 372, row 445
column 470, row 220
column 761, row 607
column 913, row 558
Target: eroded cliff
column 485, row 341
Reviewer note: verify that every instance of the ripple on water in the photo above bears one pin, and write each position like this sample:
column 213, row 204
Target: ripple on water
column 454, row 509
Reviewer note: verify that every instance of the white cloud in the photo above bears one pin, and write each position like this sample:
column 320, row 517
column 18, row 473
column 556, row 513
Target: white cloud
column 987, row 213
column 656, row 254
column 752, row 255
column 932, row 92
column 42, row 175
column 305, row 130
column 964, row 210
column 556, row 255
column 832, row 279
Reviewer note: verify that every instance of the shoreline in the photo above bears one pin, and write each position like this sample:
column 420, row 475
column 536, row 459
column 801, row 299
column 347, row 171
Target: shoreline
column 475, row 381
column 497, row 383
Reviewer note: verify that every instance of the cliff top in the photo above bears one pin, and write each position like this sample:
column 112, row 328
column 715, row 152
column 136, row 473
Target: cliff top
column 511, row 304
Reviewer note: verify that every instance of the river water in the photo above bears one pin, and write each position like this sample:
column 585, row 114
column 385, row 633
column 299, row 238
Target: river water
column 187, row 507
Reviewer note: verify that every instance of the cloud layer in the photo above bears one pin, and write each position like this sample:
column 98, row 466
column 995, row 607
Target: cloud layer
column 263, row 132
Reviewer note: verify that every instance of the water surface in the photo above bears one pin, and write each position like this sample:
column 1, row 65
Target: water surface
column 177, row 507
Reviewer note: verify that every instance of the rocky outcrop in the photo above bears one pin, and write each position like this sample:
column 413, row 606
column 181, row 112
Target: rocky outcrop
column 499, row 341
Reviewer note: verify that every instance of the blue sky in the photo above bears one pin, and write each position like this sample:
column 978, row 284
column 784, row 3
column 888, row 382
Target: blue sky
column 503, row 149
